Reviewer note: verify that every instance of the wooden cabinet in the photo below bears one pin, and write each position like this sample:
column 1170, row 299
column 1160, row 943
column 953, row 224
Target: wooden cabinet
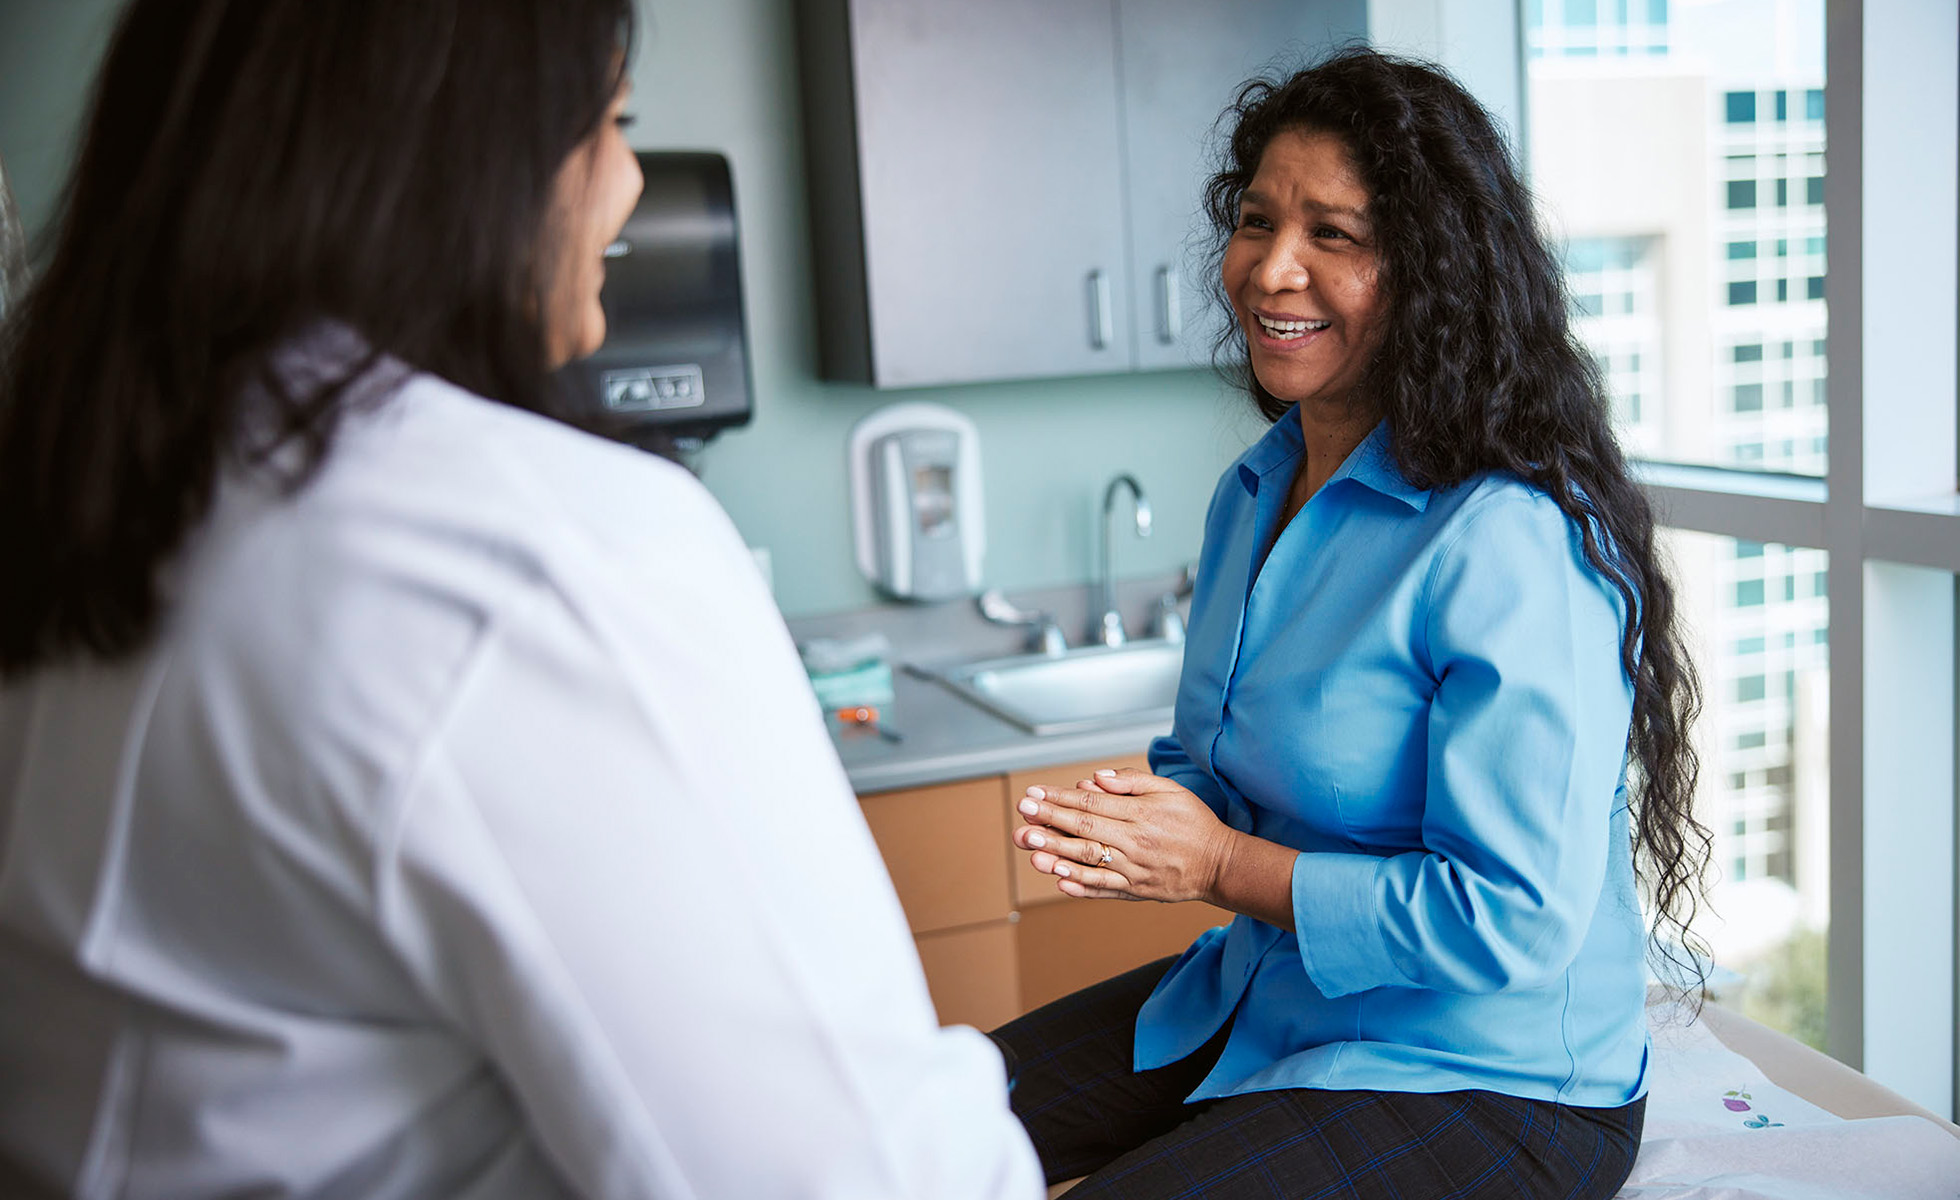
column 973, row 974
column 1010, row 189
column 1068, row 946
column 944, row 847
column 994, row 935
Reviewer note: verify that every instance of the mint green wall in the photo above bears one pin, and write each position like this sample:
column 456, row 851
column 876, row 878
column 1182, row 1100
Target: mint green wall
column 722, row 75
column 48, row 52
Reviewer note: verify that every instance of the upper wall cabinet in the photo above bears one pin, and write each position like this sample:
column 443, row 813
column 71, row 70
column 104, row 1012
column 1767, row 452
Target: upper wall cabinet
column 1010, row 189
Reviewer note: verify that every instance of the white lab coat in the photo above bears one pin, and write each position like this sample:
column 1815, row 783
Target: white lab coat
column 471, row 831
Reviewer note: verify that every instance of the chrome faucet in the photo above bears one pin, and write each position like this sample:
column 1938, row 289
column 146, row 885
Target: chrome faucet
column 1108, row 628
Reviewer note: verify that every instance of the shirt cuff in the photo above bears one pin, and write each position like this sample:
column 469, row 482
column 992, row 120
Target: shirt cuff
column 1340, row 934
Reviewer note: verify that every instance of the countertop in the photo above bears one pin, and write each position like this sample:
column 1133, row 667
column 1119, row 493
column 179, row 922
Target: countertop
column 944, row 737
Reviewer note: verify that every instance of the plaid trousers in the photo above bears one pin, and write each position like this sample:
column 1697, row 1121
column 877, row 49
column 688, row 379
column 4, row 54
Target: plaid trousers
column 1088, row 1113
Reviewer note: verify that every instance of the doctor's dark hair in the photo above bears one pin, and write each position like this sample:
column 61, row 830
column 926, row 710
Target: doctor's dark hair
column 1478, row 370
column 248, row 170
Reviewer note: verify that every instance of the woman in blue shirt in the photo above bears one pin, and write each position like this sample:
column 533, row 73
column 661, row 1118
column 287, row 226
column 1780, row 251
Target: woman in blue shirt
column 1432, row 734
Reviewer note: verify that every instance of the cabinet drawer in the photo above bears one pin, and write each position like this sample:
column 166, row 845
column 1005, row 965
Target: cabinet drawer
column 943, row 847
column 1068, row 946
column 1031, row 886
column 972, row 974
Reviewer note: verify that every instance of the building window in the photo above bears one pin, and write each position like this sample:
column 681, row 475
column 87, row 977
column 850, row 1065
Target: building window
column 1748, row 397
column 1741, row 107
column 1743, row 293
column 1742, row 193
column 1813, row 104
column 1813, row 288
column 1742, row 250
column 1813, row 193
column 1749, row 353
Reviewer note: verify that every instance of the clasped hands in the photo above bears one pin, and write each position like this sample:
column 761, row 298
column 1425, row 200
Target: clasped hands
column 1126, row 834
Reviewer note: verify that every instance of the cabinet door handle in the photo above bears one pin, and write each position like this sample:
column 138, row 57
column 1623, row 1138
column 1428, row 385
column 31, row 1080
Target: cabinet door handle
column 1102, row 318
column 1170, row 305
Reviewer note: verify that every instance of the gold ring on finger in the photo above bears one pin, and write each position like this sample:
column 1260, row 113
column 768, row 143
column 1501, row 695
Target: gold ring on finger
column 1107, row 854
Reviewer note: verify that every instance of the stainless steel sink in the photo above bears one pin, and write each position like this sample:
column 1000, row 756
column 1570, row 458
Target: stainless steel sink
column 1094, row 687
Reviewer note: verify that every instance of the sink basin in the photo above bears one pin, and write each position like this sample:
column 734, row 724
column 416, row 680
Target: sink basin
column 1095, row 687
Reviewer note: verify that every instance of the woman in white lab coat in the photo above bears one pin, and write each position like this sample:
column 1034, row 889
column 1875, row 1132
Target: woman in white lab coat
column 391, row 774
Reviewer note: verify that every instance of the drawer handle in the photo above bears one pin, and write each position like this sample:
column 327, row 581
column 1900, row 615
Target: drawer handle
column 1102, row 318
column 1170, row 305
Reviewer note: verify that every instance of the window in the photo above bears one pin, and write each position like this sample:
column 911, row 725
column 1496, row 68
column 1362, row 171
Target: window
column 1748, row 397
column 1763, row 781
column 1591, row 29
column 1615, row 287
column 1749, row 353
column 1891, row 523
column 1757, row 227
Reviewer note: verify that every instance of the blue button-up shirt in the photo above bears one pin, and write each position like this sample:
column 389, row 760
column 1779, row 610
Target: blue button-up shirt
column 1422, row 692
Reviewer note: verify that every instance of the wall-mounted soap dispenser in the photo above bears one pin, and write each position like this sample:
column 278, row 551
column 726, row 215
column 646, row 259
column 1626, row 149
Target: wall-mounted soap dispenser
column 916, row 507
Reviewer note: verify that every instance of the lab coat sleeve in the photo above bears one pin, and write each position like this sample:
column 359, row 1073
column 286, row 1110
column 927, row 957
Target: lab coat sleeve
column 1527, row 737
column 638, row 879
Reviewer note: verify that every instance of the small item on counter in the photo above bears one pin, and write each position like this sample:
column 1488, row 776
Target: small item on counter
column 849, row 672
column 865, row 715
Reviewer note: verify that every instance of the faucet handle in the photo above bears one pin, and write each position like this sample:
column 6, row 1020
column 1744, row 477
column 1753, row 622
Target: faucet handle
column 1046, row 635
column 1110, row 631
column 1170, row 622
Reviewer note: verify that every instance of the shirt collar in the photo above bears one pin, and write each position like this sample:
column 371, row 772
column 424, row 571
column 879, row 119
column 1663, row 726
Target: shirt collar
column 1370, row 465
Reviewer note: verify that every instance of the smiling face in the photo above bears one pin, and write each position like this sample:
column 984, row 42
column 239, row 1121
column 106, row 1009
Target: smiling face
column 1302, row 271
column 594, row 193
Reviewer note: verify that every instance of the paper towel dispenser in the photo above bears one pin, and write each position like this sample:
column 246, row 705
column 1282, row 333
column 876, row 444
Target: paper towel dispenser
column 675, row 362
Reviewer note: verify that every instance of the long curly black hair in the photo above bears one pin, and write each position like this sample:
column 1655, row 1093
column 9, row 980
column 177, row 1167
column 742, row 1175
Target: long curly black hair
column 1478, row 370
